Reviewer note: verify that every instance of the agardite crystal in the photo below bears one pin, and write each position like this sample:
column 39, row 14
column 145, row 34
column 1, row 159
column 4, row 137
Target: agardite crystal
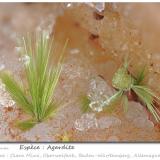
column 122, row 79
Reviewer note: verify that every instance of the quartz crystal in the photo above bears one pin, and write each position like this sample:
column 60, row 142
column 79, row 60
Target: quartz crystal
column 18, row 49
column 109, row 121
column 74, row 51
column 86, row 121
column 2, row 66
column 141, row 122
column 138, row 116
column 99, row 93
column 72, row 71
column 135, row 110
column 25, row 59
column 69, row 5
column 98, row 6
column 5, row 99
column 96, row 106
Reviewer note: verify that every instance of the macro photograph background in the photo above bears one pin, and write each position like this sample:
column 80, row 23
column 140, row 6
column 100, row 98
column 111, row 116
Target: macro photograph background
column 84, row 72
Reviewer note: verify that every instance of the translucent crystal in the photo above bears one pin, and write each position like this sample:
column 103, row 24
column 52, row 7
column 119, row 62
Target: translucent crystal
column 25, row 59
column 99, row 84
column 69, row 5
column 18, row 49
column 2, row 87
column 135, row 110
column 11, row 103
column 46, row 24
column 5, row 98
column 141, row 122
column 86, row 122
column 96, row 106
column 74, row 51
column 107, row 122
column 98, row 6
column 99, row 93
column 46, row 34
column 2, row 66
column 75, row 69
column 138, row 116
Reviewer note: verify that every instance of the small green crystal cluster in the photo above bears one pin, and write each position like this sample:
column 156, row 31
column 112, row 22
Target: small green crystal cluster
column 35, row 96
column 122, row 80
column 125, row 84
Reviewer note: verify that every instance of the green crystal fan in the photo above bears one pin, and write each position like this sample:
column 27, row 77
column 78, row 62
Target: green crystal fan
column 124, row 82
column 122, row 79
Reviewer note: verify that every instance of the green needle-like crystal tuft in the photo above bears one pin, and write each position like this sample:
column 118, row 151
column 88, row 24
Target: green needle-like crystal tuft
column 122, row 80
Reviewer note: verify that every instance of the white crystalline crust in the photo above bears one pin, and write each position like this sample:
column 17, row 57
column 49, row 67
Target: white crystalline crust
column 5, row 98
column 86, row 121
column 138, row 116
column 109, row 121
column 99, row 92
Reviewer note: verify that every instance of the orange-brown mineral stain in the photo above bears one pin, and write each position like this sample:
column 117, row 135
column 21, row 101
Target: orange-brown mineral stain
column 67, row 28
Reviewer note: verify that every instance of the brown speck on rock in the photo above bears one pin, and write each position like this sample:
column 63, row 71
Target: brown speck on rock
column 132, row 96
column 37, row 138
column 101, row 77
column 76, row 24
column 62, row 79
column 93, row 36
column 157, row 127
column 155, row 72
column 98, row 16
column 151, row 64
column 9, row 109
